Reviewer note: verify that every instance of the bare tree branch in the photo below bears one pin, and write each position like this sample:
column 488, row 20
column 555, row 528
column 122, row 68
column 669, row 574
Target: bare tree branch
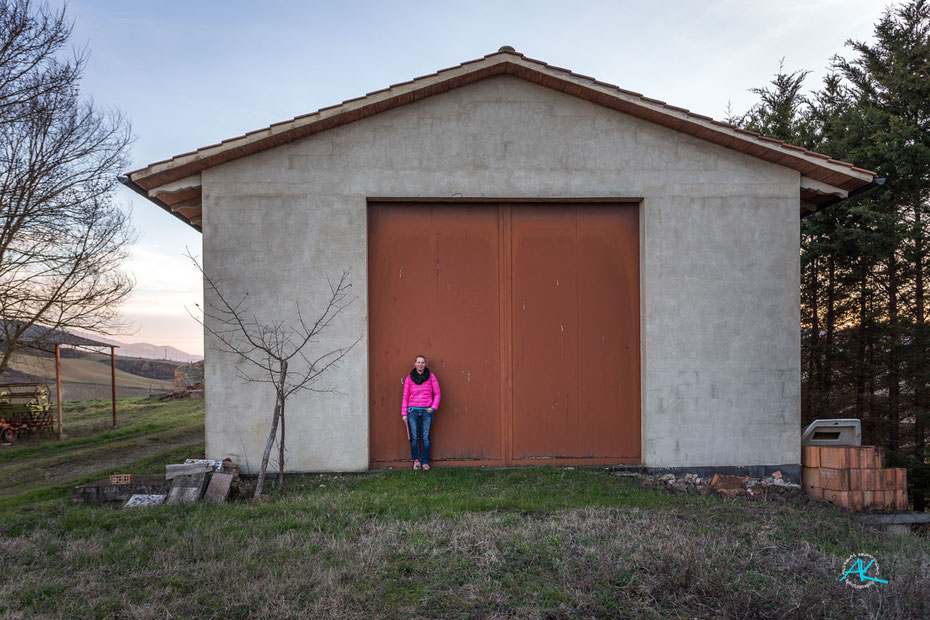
column 62, row 238
column 277, row 349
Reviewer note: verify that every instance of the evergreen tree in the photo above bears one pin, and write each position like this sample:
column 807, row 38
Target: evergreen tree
column 864, row 261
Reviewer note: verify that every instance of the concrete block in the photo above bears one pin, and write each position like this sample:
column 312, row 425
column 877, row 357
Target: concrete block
column 855, row 480
column 837, row 498
column 855, row 500
column 863, row 475
column 900, row 499
column 868, row 457
column 810, row 456
column 834, row 479
column 814, row 492
column 834, row 457
column 102, row 491
column 187, row 489
column 900, row 478
column 810, row 477
column 142, row 501
column 218, row 489
column 891, row 479
column 186, row 469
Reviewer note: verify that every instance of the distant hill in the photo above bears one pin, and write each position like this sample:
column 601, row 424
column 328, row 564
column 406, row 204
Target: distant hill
column 154, row 352
column 91, row 368
column 143, row 349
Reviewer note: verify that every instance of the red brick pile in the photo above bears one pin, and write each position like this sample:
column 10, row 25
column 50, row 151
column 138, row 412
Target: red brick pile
column 853, row 477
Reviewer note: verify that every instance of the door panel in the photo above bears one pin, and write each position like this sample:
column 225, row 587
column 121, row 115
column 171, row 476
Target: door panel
column 575, row 332
column 545, row 331
column 552, row 374
column 433, row 290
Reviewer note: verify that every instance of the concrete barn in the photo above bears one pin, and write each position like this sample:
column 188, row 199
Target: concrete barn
column 597, row 277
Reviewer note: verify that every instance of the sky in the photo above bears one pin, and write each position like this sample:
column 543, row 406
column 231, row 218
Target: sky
column 193, row 73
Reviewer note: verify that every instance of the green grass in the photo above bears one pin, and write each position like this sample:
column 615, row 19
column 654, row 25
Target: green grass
column 540, row 542
column 42, row 466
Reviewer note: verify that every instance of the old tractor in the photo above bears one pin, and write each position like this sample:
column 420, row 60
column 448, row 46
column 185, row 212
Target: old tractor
column 24, row 408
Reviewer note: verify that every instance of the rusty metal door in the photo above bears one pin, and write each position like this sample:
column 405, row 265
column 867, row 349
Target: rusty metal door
column 529, row 315
column 433, row 280
column 576, row 379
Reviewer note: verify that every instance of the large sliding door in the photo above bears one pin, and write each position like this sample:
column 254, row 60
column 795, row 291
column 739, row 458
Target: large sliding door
column 529, row 315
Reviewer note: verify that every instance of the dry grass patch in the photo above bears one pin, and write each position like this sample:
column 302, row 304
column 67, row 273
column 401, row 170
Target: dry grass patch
column 465, row 543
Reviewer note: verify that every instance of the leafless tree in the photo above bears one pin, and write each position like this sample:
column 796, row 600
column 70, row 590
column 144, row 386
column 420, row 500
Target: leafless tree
column 62, row 238
column 276, row 352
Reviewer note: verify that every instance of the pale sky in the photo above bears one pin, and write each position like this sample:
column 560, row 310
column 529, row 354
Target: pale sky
column 189, row 74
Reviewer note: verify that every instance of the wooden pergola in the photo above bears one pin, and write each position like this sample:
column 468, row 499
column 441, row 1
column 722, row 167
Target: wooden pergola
column 52, row 340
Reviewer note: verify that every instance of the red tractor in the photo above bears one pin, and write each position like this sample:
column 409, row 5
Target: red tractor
column 24, row 408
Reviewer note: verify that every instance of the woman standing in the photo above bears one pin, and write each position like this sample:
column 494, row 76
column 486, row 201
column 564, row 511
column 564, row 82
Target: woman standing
column 421, row 399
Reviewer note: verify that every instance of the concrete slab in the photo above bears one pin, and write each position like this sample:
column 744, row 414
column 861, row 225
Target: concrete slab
column 102, row 491
column 218, row 489
column 142, row 501
column 186, row 469
column 187, row 489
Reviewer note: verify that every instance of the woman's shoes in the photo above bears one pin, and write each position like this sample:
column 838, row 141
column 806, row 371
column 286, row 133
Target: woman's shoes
column 425, row 466
column 416, row 465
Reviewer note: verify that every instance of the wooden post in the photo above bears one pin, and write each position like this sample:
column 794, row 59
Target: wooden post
column 58, row 386
column 113, row 381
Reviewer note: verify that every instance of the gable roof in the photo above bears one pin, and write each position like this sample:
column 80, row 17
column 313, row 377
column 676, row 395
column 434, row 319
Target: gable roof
column 174, row 184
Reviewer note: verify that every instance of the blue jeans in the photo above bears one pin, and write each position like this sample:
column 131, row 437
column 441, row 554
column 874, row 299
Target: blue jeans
column 420, row 420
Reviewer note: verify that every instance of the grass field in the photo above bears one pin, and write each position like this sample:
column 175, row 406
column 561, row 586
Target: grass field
column 84, row 370
column 542, row 542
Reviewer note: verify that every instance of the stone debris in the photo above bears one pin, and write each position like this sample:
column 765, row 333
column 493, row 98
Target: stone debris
column 211, row 463
column 202, row 479
column 186, row 469
column 187, row 489
column 722, row 485
column 137, row 501
column 102, row 492
column 218, row 488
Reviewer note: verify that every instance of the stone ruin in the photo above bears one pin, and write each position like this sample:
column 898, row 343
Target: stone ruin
column 183, row 483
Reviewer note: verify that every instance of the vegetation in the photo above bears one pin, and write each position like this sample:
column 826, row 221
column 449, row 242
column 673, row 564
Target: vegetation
column 463, row 543
column 149, row 432
column 62, row 238
column 864, row 261
column 527, row 542
column 287, row 354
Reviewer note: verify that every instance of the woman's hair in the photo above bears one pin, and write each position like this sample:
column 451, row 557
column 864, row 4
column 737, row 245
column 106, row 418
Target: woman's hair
column 419, row 356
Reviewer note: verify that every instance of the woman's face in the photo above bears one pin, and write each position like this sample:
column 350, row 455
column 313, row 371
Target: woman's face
column 420, row 364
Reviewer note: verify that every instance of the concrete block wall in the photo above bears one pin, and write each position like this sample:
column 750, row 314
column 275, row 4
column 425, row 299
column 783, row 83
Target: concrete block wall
column 719, row 262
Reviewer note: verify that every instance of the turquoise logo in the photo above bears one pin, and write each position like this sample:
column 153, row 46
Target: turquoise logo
column 861, row 571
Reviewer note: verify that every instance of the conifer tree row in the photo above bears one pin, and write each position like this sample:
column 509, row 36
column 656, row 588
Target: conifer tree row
column 864, row 261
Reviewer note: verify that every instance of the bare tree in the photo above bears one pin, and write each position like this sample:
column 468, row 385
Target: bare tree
column 278, row 351
column 62, row 238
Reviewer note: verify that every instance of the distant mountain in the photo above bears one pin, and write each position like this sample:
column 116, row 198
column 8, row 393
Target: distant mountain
column 141, row 349
column 155, row 352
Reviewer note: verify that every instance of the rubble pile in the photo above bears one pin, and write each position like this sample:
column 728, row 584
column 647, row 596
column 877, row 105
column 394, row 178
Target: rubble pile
column 192, row 481
column 722, row 485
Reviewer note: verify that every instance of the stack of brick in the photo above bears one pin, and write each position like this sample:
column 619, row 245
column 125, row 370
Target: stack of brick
column 853, row 477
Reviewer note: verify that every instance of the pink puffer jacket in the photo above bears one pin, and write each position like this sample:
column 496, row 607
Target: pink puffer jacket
column 424, row 395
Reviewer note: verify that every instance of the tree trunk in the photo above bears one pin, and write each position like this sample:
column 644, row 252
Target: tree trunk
column 894, row 373
column 860, row 353
column 920, row 375
column 814, row 360
column 278, row 408
column 281, row 452
column 827, row 397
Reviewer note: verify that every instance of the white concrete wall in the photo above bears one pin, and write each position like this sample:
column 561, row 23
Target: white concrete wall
column 720, row 262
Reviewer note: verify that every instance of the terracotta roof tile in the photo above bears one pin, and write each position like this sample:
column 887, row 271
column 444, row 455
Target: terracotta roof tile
column 672, row 122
